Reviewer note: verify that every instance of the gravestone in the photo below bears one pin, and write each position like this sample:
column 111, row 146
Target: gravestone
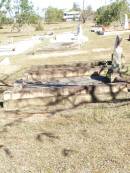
column 126, row 24
column 117, row 53
column 115, row 72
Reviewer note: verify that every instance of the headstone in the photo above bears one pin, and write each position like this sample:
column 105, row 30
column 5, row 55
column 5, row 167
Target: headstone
column 126, row 25
column 78, row 29
column 81, row 31
column 117, row 54
column 115, row 72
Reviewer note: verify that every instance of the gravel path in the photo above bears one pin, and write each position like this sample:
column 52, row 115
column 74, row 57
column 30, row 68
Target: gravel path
column 19, row 47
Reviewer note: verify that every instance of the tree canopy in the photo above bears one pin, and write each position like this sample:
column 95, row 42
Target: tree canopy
column 20, row 12
column 114, row 12
column 53, row 15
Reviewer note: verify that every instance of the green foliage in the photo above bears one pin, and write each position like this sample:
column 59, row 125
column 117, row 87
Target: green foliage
column 27, row 15
column 23, row 10
column 27, row 19
column 114, row 12
column 25, row 6
column 53, row 15
column 4, row 19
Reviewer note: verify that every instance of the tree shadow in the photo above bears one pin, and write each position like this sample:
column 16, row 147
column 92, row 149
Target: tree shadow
column 49, row 135
column 7, row 151
column 67, row 152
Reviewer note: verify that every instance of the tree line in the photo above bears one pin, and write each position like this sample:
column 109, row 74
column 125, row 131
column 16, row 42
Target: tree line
column 20, row 12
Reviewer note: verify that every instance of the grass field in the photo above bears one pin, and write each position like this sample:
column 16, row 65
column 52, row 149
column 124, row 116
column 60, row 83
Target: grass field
column 93, row 138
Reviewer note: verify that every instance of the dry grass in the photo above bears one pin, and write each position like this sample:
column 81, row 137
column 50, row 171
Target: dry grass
column 88, row 139
column 84, row 140
column 29, row 31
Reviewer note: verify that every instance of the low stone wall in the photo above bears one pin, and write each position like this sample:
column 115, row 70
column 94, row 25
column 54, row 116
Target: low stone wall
column 60, row 103
column 63, row 97
column 62, row 87
column 43, row 73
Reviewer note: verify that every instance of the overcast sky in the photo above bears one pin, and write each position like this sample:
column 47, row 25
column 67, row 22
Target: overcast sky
column 67, row 3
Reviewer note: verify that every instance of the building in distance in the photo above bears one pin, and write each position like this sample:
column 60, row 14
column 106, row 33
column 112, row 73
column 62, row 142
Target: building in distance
column 71, row 16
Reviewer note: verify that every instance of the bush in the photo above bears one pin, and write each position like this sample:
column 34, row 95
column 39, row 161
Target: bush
column 4, row 19
column 28, row 18
column 111, row 13
column 53, row 15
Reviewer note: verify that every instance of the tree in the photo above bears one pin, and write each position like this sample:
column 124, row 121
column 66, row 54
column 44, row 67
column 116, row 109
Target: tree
column 75, row 7
column 83, row 13
column 4, row 8
column 87, row 13
column 27, row 14
column 24, row 14
column 20, row 11
column 114, row 12
column 4, row 19
column 53, row 15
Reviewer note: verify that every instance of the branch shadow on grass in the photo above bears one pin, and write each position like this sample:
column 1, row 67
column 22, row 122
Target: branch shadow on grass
column 49, row 135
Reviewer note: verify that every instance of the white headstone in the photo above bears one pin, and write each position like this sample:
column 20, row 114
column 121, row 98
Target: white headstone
column 126, row 25
column 78, row 29
column 81, row 31
column 117, row 54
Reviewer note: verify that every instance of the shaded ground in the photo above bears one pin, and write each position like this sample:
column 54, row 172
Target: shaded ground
column 88, row 139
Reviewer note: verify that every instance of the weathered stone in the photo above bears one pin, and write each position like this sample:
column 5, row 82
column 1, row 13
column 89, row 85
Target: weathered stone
column 64, row 91
column 46, row 75
column 46, row 72
column 62, row 87
column 60, row 102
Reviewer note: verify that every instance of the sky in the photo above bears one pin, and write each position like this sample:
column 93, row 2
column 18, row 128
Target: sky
column 67, row 4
